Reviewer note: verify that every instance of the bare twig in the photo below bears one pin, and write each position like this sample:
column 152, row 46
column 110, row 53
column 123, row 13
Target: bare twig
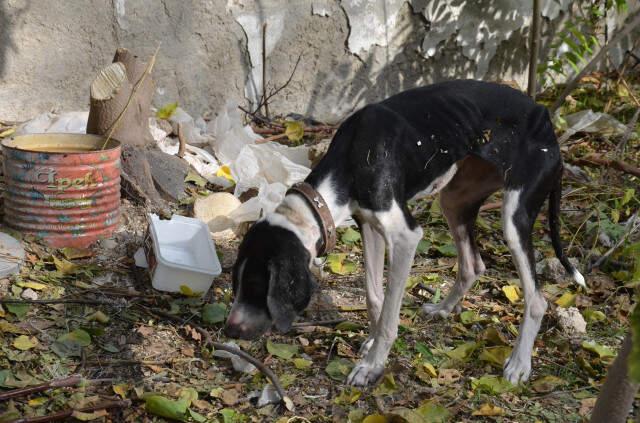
column 266, row 98
column 534, row 42
column 57, row 383
column 630, row 24
column 63, row 415
column 55, row 301
column 134, row 91
column 319, row 323
column 182, row 143
column 596, row 160
column 632, row 225
column 259, row 119
column 308, row 129
column 264, row 71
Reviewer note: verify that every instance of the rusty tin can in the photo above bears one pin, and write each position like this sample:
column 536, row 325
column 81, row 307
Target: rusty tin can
column 64, row 188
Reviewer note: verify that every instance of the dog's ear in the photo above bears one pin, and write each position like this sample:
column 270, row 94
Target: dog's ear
column 291, row 285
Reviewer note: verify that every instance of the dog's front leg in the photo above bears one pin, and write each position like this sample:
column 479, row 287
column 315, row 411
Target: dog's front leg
column 402, row 242
column 373, row 245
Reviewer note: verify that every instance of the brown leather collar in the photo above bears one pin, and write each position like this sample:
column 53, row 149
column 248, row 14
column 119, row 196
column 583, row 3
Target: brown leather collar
column 327, row 228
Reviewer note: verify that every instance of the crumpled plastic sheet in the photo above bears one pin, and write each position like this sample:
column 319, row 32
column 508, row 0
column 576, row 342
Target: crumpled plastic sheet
column 590, row 121
column 268, row 198
column 229, row 134
column 269, row 163
column 69, row 122
column 195, row 131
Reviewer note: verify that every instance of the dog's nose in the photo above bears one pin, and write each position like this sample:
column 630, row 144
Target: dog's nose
column 244, row 323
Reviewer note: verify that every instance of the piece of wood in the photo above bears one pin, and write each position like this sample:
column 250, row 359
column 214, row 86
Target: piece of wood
column 617, row 393
column 534, row 42
column 182, row 142
column 596, row 160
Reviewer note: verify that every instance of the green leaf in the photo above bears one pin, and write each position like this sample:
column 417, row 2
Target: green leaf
column 462, row 351
column 350, row 236
column 214, row 313
column 375, row 418
column 493, row 385
column 285, row 351
column 166, row 111
column 495, row 355
column 387, row 386
column 348, row 396
column 348, row 326
column 188, row 292
column 566, row 300
column 592, row 316
column 294, row 130
column 71, row 344
column 20, row 310
column 601, row 350
column 197, row 416
column 423, row 246
column 339, row 265
column 339, row 368
column 195, row 178
column 24, row 343
column 511, row 292
column 432, row 412
column 99, row 316
column 301, row 363
column 468, row 317
column 64, row 266
column 161, row 406
column 628, row 195
column 447, row 250
column 231, row 416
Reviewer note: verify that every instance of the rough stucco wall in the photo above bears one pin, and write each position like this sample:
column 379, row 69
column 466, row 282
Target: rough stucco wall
column 352, row 51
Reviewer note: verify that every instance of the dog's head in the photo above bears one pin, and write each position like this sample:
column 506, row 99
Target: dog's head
column 272, row 282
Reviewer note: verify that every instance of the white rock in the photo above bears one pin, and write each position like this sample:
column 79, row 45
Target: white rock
column 571, row 321
column 29, row 294
column 215, row 209
column 268, row 396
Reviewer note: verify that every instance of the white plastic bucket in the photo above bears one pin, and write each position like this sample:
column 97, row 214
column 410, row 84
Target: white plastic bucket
column 180, row 252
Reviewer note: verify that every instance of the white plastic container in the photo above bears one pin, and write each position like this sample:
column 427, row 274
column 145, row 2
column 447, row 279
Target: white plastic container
column 180, row 252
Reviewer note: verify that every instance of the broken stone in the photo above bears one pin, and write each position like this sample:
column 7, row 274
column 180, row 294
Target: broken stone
column 571, row 321
column 552, row 269
column 214, row 210
column 168, row 173
column 268, row 396
column 29, row 294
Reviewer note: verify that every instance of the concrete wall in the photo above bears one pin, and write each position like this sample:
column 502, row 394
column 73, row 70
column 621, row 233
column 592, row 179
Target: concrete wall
column 351, row 51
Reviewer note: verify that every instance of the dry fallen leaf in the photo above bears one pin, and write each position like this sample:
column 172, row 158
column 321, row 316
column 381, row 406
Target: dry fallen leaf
column 487, row 409
column 448, row 376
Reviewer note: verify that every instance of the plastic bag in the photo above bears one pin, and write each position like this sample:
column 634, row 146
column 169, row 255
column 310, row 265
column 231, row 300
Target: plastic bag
column 69, row 123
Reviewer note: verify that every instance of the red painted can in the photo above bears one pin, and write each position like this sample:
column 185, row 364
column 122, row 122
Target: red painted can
column 64, row 188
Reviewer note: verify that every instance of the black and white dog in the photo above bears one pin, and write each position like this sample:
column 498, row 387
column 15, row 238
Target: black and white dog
column 464, row 139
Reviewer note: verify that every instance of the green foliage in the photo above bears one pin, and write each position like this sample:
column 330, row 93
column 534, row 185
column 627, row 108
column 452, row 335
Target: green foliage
column 577, row 41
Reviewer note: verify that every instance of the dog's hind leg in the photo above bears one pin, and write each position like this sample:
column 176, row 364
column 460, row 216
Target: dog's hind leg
column 520, row 208
column 402, row 235
column 460, row 200
column 470, row 266
column 374, row 247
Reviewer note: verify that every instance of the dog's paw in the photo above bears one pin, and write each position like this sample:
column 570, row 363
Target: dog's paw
column 365, row 347
column 517, row 369
column 436, row 311
column 364, row 374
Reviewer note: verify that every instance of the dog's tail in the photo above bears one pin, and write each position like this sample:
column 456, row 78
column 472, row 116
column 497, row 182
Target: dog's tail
column 554, row 227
